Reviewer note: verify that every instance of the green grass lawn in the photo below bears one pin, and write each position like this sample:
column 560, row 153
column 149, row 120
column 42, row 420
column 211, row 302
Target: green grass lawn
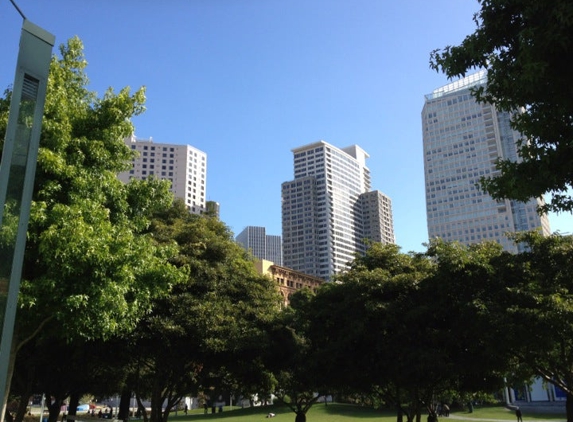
column 334, row 412
column 502, row 413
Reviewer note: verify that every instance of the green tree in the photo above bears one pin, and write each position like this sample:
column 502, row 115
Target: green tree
column 386, row 348
column 291, row 357
column 60, row 370
column 536, row 310
column 518, row 309
column 466, row 281
column 89, row 269
column 414, row 334
column 524, row 45
column 193, row 339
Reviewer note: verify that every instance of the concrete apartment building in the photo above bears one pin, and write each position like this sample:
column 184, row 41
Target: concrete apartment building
column 462, row 141
column 261, row 244
column 328, row 210
column 183, row 165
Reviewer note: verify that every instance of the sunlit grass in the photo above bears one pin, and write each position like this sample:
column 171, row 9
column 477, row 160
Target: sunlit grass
column 502, row 413
column 334, row 412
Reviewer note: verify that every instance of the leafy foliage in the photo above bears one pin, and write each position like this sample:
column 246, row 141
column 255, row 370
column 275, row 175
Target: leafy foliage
column 210, row 324
column 385, row 348
column 90, row 269
column 292, row 357
column 539, row 312
column 86, row 253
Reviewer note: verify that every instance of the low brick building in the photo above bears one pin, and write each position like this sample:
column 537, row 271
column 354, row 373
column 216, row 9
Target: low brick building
column 288, row 281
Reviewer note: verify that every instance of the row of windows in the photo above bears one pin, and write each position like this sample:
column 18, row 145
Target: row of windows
column 163, row 148
column 153, row 148
column 309, row 152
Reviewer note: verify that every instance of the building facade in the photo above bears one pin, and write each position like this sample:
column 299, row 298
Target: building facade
column 288, row 281
column 462, row 141
column 377, row 217
column 184, row 166
column 261, row 245
column 323, row 210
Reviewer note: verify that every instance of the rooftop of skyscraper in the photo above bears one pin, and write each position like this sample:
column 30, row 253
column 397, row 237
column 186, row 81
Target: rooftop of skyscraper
column 471, row 80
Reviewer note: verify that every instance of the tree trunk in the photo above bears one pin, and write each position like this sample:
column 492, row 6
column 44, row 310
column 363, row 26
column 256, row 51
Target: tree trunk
column 300, row 416
column 400, row 415
column 73, row 404
column 156, row 405
column 569, row 407
column 54, row 409
column 26, row 395
column 141, row 409
column 166, row 412
column 123, row 413
column 22, row 407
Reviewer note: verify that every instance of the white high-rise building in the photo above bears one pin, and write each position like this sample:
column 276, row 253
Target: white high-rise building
column 462, row 141
column 328, row 210
column 262, row 245
column 184, row 166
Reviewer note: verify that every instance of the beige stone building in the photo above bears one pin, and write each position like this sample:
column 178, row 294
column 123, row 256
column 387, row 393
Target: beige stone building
column 288, row 281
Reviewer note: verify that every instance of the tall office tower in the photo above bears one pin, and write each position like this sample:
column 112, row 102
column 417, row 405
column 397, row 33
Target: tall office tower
column 377, row 217
column 462, row 141
column 327, row 210
column 275, row 249
column 261, row 244
column 184, row 166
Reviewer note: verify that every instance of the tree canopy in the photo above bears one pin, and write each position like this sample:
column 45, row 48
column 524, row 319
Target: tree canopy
column 525, row 47
column 90, row 270
column 534, row 305
column 209, row 325
column 412, row 329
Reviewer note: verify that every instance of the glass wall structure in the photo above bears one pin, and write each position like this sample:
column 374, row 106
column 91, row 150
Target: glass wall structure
column 462, row 141
column 261, row 245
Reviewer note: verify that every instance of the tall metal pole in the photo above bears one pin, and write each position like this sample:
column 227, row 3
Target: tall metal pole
column 17, row 171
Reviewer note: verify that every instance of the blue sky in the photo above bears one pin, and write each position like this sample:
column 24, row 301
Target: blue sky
column 248, row 80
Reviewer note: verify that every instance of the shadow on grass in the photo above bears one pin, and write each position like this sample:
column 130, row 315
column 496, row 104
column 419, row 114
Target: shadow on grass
column 255, row 412
column 348, row 412
column 319, row 412
column 354, row 411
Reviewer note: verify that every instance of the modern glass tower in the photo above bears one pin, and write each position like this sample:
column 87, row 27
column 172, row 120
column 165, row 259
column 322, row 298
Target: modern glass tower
column 462, row 141
column 261, row 244
column 323, row 211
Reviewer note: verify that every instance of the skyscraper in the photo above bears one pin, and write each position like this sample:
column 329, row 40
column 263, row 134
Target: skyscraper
column 462, row 141
column 328, row 210
column 377, row 217
column 184, row 166
column 261, row 244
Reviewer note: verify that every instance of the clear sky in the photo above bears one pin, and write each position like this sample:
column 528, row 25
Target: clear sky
column 246, row 81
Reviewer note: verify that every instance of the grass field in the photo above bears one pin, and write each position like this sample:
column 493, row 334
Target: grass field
column 348, row 413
